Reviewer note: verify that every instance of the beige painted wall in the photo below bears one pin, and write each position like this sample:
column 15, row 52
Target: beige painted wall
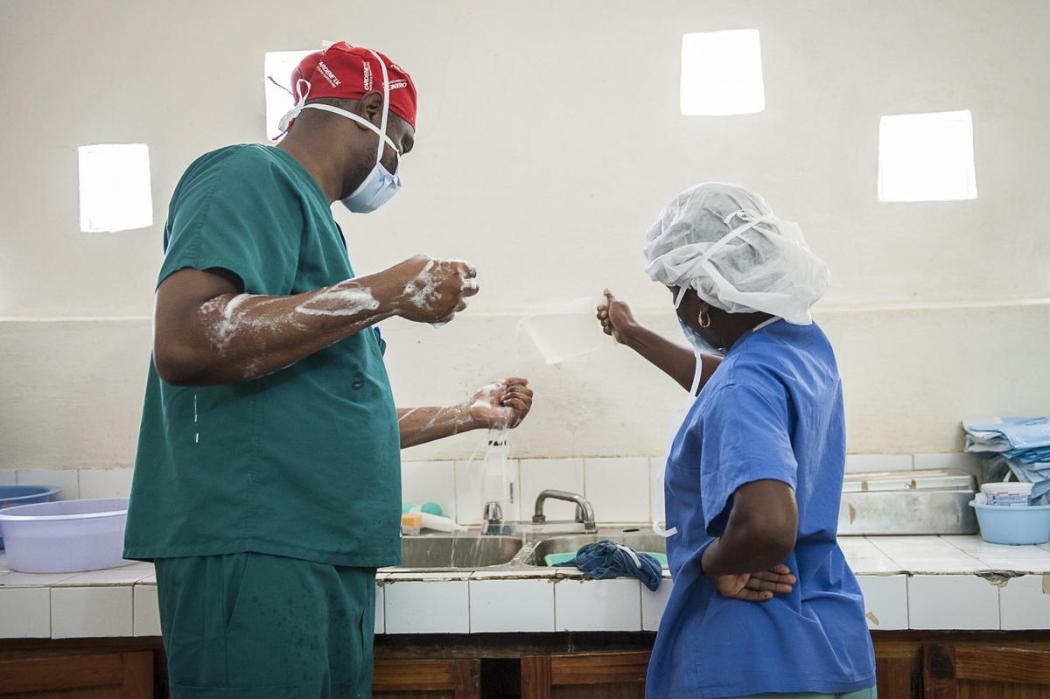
column 549, row 137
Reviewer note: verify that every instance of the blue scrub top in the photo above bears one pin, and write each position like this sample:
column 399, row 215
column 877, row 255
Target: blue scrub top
column 772, row 410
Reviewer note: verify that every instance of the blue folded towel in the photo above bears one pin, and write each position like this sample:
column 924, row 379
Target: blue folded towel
column 605, row 559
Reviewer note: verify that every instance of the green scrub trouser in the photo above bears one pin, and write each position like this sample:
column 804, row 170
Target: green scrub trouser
column 253, row 625
column 862, row 694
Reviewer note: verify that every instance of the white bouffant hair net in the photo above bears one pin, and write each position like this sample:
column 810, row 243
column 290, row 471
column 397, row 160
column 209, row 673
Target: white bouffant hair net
column 726, row 243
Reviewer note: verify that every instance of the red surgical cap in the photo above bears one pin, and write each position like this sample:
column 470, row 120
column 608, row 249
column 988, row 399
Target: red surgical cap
column 351, row 72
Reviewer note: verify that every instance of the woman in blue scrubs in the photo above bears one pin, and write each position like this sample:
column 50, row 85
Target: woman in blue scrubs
column 763, row 601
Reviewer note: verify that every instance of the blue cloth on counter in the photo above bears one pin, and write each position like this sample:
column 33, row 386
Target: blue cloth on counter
column 605, row 559
column 772, row 411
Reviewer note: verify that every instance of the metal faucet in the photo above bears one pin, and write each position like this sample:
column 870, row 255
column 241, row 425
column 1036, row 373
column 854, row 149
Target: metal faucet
column 584, row 509
column 493, row 514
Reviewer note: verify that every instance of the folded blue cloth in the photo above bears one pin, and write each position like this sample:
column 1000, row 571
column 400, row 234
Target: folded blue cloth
column 605, row 559
column 1014, row 437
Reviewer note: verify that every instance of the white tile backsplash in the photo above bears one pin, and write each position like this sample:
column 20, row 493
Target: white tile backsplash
column 885, row 601
column 66, row 479
column 427, row 606
column 654, row 603
column 964, row 602
column 146, row 613
column 511, row 606
column 468, row 490
column 543, row 474
column 618, row 488
column 25, row 612
column 598, row 605
column 91, row 612
column 105, row 483
column 869, row 463
column 430, row 481
column 1024, row 603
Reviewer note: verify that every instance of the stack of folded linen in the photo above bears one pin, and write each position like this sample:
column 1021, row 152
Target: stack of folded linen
column 1017, row 445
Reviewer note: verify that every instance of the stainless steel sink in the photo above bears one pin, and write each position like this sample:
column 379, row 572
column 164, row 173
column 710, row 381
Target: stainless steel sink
column 467, row 551
column 637, row 540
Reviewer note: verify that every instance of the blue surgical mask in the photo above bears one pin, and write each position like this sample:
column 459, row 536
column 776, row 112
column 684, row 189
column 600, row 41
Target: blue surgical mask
column 378, row 188
column 700, row 345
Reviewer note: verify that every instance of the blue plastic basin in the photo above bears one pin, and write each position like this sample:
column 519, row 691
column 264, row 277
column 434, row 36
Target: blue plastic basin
column 12, row 495
column 1013, row 525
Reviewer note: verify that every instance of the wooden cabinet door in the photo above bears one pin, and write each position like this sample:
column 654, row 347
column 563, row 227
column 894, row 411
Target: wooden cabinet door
column 103, row 676
column 432, row 679
column 584, row 676
column 963, row 672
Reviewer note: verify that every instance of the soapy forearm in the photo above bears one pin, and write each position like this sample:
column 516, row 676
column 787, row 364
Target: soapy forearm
column 238, row 337
column 676, row 361
column 422, row 425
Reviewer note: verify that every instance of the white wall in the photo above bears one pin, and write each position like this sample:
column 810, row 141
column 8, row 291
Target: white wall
column 549, row 137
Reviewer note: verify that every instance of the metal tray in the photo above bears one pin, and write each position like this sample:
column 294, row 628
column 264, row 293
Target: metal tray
column 908, row 502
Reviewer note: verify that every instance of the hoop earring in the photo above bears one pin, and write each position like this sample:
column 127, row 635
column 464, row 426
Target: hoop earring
column 704, row 319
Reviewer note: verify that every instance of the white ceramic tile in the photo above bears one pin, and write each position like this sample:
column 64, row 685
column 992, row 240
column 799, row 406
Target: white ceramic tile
column 543, row 474
column 925, row 554
column 105, row 483
column 380, row 614
column 16, row 579
column 91, row 612
column 427, row 606
column 654, row 603
column 538, row 572
column 125, row 575
column 874, row 566
column 942, row 566
column 1016, row 565
column 917, row 546
column 885, row 601
column 598, row 605
column 858, row 547
column 978, row 547
column 1025, row 603
column 873, row 463
column 618, row 489
column 964, row 602
column 66, row 479
column 961, row 461
column 468, row 491
column 8, row 477
column 25, row 612
column 146, row 614
column 509, row 606
column 430, row 481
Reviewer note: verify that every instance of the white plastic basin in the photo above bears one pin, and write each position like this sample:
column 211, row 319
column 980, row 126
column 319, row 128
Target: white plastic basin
column 65, row 536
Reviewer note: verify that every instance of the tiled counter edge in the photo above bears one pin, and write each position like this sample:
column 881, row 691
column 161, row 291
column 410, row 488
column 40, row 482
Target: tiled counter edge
column 921, row 583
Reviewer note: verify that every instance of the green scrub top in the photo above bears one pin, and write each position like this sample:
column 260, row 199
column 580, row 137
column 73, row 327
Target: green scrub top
column 303, row 463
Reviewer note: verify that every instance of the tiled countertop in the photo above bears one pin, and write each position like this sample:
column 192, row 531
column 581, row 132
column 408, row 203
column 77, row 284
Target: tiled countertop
column 952, row 582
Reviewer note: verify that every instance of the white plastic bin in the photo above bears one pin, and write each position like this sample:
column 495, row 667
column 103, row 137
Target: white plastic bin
column 65, row 536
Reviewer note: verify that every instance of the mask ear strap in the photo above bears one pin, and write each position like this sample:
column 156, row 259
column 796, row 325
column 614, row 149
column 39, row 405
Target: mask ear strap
column 300, row 104
column 359, row 119
column 681, row 295
column 386, row 107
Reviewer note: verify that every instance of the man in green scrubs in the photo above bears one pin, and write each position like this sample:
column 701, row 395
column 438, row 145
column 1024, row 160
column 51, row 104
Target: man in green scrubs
column 267, row 480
